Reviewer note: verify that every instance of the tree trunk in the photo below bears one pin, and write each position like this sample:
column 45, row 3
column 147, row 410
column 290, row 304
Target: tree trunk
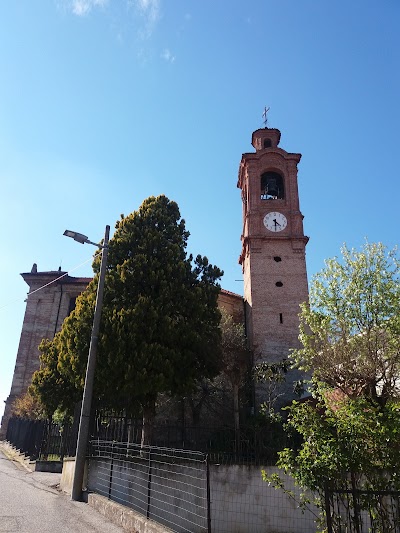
column 149, row 412
column 196, row 410
column 236, row 416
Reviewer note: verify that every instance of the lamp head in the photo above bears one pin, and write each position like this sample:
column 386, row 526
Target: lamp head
column 79, row 237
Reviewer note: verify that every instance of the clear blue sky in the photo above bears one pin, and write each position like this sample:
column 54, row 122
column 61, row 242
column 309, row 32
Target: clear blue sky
column 103, row 103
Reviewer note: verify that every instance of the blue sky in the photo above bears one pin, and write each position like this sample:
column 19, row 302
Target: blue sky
column 106, row 102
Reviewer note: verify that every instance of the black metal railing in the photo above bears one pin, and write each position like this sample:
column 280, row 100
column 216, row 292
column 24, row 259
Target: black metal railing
column 250, row 445
column 353, row 510
column 42, row 439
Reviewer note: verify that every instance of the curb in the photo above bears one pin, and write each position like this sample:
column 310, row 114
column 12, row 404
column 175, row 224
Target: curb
column 14, row 455
column 124, row 517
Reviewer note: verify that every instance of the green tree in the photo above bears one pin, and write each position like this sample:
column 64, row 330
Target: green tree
column 351, row 342
column 159, row 329
column 236, row 360
column 346, row 444
column 273, row 377
column 28, row 406
column 351, row 330
column 52, row 389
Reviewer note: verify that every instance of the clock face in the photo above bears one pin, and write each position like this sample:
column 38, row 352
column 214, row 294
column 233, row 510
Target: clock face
column 275, row 221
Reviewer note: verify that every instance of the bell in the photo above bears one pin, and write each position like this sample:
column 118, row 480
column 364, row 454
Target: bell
column 272, row 187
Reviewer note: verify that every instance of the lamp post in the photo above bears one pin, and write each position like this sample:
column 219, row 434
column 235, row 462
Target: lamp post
column 84, row 421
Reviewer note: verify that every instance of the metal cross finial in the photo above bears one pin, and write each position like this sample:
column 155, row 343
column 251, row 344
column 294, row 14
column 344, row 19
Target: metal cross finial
column 264, row 115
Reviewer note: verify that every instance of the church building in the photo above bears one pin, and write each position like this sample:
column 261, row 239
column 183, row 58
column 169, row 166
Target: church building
column 272, row 258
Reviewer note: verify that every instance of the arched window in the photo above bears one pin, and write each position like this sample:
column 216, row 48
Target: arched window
column 272, row 186
column 267, row 143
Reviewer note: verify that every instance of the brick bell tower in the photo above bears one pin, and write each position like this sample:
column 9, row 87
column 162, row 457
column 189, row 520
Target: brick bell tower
column 273, row 249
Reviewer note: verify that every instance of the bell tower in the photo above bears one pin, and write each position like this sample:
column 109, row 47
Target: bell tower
column 273, row 247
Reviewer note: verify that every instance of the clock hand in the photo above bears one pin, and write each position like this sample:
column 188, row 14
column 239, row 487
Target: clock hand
column 276, row 223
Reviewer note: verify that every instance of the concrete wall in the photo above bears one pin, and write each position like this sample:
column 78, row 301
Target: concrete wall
column 67, row 475
column 240, row 501
column 175, row 495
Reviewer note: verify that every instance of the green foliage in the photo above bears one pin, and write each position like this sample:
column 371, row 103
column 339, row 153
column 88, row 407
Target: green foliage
column 236, row 357
column 341, row 437
column 351, row 342
column 62, row 418
column 28, row 406
column 351, row 330
column 159, row 327
column 344, row 441
column 273, row 376
column 51, row 387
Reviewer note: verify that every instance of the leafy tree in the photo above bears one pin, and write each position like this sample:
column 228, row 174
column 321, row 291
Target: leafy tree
column 236, row 360
column 159, row 329
column 273, row 376
column 28, row 406
column 351, row 330
column 346, row 444
column 351, row 341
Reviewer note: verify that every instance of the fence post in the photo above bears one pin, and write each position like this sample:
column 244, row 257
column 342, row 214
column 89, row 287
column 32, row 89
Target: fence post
column 208, row 494
column 357, row 514
column 328, row 509
column 111, row 471
column 149, row 487
column 41, row 439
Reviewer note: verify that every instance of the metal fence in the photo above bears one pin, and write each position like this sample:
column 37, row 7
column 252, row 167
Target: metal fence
column 169, row 486
column 41, row 439
column 26, row 435
column 251, row 445
column 256, row 445
column 351, row 510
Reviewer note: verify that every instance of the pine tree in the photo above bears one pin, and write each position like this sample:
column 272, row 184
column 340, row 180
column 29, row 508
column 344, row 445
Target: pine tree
column 159, row 329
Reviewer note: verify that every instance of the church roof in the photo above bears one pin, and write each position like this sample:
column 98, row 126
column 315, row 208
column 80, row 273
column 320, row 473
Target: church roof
column 229, row 293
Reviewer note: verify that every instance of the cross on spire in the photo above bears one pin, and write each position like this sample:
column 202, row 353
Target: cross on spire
column 264, row 116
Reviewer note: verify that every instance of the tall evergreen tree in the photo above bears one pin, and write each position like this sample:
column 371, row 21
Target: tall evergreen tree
column 159, row 329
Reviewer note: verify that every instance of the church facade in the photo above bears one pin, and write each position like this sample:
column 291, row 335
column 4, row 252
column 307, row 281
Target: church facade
column 272, row 259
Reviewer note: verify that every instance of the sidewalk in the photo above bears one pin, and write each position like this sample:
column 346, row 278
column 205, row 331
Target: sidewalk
column 31, row 502
column 20, row 461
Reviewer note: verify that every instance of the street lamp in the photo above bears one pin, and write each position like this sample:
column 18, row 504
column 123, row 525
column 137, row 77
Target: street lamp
column 84, row 421
column 79, row 237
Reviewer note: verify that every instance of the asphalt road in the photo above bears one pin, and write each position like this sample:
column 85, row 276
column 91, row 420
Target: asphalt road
column 30, row 504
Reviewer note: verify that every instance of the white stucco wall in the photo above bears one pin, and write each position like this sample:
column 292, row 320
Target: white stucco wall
column 241, row 502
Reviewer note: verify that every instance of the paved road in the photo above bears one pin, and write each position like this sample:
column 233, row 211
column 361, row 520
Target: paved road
column 29, row 504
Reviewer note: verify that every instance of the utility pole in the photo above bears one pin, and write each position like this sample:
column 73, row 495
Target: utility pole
column 84, row 422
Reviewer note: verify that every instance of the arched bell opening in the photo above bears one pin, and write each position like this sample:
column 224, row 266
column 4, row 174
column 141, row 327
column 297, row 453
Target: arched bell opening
column 267, row 143
column 272, row 186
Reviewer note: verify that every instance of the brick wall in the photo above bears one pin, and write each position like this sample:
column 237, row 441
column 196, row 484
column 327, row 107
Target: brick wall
column 45, row 312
